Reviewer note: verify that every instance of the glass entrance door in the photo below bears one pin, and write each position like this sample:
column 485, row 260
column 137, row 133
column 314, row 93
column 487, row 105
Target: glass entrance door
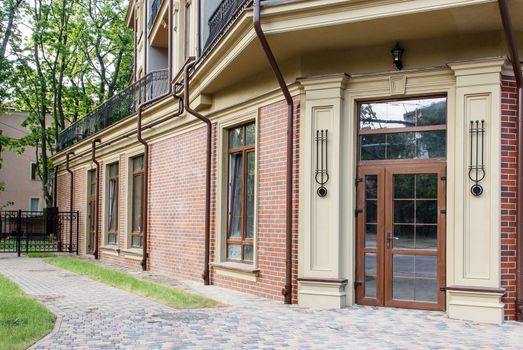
column 401, row 236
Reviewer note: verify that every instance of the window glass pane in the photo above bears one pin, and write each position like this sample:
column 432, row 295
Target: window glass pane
column 249, row 188
column 427, row 186
column 235, row 195
column 113, row 170
column 137, row 241
column 137, row 203
column 404, row 113
column 235, row 137
column 372, row 147
column 401, row 145
column 370, row 235
column 247, row 252
column 403, row 277
column 370, row 275
column 427, row 237
column 234, row 251
column 111, row 238
column 250, row 134
column 35, row 204
column 371, row 186
column 426, row 278
column 112, row 205
column 427, row 211
column 138, row 163
column 404, row 186
column 403, row 211
column 431, row 144
column 404, row 236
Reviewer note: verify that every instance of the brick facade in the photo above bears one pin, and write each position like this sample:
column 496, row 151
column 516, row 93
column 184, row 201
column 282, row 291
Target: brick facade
column 177, row 208
column 509, row 154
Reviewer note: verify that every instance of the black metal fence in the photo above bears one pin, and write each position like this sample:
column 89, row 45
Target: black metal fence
column 222, row 18
column 155, row 9
column 38, row 231
column 115, row 109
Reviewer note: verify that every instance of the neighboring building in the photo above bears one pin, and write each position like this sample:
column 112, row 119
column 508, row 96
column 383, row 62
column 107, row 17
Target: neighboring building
column 393, row 144
column 18, row 172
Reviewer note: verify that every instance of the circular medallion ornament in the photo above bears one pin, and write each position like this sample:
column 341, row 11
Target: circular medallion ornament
column 322, row 191
column 476, row 190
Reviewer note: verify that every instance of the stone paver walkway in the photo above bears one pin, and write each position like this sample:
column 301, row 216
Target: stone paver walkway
column 93, row 315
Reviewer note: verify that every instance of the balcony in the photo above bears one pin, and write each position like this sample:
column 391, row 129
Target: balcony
column 115, row 109
column 223, row 17
column 155, row 10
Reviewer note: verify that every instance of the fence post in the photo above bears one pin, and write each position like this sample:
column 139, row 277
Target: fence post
column 77, row 230
column 18, row 231
column 71, row 230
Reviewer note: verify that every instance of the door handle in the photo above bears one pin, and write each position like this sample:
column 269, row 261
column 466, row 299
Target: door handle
column 390, row 238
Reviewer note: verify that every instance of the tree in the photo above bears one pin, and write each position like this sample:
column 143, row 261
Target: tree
column 55, row 74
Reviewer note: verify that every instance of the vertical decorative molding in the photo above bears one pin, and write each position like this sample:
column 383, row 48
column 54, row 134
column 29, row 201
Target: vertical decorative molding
column 321, row 283
column 476, row 228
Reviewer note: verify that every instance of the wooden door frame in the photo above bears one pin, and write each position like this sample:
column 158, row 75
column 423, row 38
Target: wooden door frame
column 384, row 170
column 416, row 167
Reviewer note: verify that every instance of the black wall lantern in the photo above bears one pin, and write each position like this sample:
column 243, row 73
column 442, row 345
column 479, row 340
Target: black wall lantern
column 397, row 54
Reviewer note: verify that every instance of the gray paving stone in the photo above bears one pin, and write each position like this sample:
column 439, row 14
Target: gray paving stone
column 97, row 316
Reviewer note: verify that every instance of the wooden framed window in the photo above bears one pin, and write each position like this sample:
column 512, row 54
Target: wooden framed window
column 136, row 202
column 34, row 171
column 412, row 128
column 112, row 212
column 240, row 194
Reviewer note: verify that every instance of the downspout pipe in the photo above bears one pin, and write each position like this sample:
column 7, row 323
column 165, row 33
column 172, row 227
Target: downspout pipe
column 143, row 105
column 55, row 187
column 71, row 199
column 518, row 75
column 287, row 291
column 97, row 199
column 207, row 121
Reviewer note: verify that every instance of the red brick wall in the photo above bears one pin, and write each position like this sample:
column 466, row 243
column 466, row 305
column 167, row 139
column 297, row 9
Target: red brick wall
column 177, row 205
column 271, row 152
column 508, row 193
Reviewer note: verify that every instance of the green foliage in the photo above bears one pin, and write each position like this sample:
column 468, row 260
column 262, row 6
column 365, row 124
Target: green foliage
column 23, row 321
column 78, row 54
column 172, row 297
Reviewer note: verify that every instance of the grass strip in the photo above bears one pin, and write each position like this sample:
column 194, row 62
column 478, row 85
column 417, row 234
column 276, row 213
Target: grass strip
column 40, row 254
column 172, row 297
column 23, row 320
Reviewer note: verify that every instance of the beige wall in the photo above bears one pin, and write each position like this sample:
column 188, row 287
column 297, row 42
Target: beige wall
column 16, row 168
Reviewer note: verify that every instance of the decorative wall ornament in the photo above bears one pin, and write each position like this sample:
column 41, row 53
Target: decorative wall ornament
column 322, row 173
column 477, row 148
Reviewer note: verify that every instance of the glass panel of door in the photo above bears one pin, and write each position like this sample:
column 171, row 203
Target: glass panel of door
column 401, row 233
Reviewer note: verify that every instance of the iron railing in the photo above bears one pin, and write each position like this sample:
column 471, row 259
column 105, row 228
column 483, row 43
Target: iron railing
column 39, row 231
column 155, row 9
column 115, row 109
column 223, row 17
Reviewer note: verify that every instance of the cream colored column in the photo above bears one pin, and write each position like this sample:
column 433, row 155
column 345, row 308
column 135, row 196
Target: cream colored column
column 473, row 249
column 320, row 280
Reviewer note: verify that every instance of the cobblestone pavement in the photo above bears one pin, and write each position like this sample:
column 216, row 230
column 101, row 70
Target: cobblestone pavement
column 93, row 315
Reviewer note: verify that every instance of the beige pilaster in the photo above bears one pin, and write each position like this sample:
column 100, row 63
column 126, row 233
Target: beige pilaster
column 320, row 275
column 473, row 248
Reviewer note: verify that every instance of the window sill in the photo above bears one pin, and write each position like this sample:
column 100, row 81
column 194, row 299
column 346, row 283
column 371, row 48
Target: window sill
column 133, row 253
column 236, row 270
column 110, row 250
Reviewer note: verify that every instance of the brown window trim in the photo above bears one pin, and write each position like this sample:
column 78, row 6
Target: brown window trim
column 134, row 232
column 114, row 232
column 440, row 127
column 92, row 198
column 243, row 241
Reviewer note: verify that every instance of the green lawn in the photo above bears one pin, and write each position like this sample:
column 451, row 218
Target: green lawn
column 23, row 320
column 40, row 254
column 173, row 297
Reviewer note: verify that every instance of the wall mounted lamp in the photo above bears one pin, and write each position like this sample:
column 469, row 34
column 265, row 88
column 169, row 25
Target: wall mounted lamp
column 397, row 54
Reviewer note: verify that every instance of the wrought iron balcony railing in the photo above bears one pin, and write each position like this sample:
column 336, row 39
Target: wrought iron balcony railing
column 115, row 109
column 223, row 17
column 155, row 9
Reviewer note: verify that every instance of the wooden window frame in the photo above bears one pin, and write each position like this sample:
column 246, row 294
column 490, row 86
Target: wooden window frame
column 116, row 179
column 134, row 232
column 245, row 150
column 424, row 128
column 91, row 205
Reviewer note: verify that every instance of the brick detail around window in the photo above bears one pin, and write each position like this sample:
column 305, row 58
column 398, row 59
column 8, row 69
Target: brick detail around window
column 509, row 156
